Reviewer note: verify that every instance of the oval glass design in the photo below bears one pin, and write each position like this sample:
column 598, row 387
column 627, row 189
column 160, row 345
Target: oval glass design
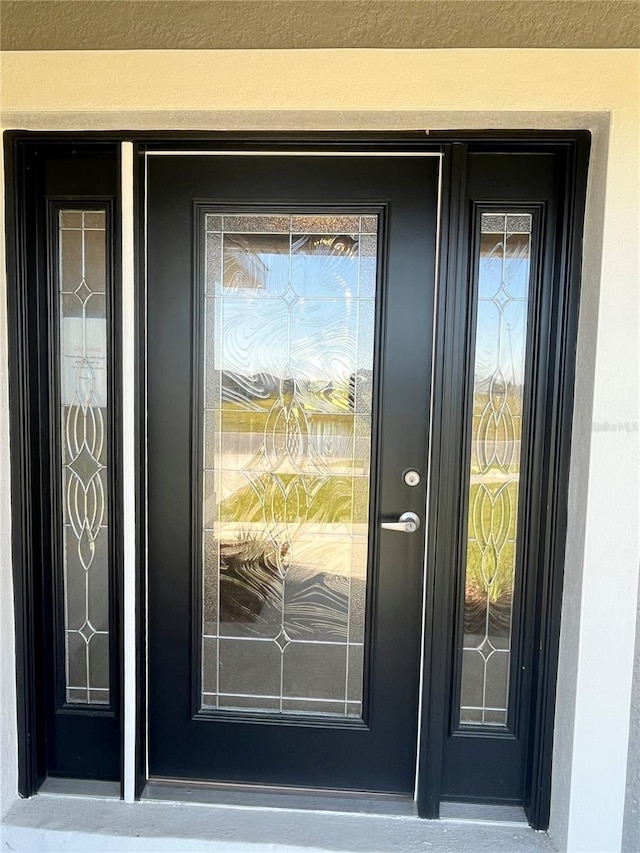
column 82, row 365
column 500, row 334
column 288, row 357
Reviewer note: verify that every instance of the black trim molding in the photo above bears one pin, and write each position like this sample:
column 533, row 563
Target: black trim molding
column 55, row 738
column 539, row 621
column 546, row 453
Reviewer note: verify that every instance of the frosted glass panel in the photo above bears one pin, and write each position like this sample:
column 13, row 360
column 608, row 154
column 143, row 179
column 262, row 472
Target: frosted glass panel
column 501, row 332
column 83, row 397
column 288, row 353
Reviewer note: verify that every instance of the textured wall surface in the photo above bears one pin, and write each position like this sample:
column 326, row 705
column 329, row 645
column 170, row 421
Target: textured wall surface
column 243, row 24
column 631, row 832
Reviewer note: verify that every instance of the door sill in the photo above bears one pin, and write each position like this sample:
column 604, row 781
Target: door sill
column 272, row 797
column 80, row 787
column 497, row 814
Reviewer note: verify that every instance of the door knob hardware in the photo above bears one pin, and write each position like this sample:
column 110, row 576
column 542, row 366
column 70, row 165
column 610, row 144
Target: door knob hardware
column 408, row 522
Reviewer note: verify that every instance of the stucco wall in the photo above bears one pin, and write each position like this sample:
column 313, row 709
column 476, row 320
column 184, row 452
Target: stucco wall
column 397, row 89
column 631, row 830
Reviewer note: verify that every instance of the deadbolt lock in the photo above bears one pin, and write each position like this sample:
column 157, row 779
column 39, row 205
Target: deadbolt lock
column 411, row 477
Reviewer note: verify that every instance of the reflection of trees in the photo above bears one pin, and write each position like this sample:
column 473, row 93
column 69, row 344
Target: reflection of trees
column 496, row 430
column 328, row 499
column 493, row 506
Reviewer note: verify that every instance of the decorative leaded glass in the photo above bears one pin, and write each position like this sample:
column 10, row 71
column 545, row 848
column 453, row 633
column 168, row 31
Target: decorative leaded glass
column 83, row 397
column 288, row 351
column 501, row 331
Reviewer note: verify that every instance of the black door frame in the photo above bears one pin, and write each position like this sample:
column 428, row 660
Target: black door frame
column 571, row 149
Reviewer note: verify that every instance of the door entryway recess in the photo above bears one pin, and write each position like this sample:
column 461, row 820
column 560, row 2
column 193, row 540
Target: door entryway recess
column 351, row 374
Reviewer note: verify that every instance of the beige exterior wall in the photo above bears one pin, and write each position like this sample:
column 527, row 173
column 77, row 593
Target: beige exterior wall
column 313, row 80
column 401, row 89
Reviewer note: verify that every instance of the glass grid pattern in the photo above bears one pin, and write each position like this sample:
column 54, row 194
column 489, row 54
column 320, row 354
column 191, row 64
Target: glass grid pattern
column 83, row 395
column 288, row 351
column 501, row 332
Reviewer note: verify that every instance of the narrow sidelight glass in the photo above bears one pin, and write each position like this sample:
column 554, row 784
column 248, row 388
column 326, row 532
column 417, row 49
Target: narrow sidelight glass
column 82, row 365
column 288, row 357
column 494, row 476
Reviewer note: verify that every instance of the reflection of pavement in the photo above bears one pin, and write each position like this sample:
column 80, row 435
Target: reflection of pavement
column 244, row 467
column 494, row 477
column 334, row 549
column 300, row 637
column 503, row 450
column 341, row 464
column 485, row 678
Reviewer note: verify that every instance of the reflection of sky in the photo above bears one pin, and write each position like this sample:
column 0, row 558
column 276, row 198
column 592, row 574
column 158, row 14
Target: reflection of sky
column 302, row 317
column 305, row 315
column 502, row 316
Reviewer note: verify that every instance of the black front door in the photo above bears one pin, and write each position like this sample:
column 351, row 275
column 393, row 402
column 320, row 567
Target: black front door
column 289, row 332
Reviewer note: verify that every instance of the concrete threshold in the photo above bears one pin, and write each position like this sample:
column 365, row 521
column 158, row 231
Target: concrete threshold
column 81, row 824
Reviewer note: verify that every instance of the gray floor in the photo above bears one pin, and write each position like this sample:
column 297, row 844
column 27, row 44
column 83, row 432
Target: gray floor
column 50, row 822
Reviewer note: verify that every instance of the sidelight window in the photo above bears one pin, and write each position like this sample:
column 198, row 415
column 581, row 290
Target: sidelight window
column 494, row 473
column 83, row 459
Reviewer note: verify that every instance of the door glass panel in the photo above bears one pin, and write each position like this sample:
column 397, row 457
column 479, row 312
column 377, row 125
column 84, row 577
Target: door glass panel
column 83, row 396
column 501, row 333
column 288, row 371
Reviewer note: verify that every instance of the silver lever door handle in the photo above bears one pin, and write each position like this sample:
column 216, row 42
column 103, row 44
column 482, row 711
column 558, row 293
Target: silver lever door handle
column 407, row 523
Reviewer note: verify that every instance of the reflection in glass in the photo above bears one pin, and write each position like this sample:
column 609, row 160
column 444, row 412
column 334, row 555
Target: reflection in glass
column 288, row 351
column 501, row 331
column 83, row 391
